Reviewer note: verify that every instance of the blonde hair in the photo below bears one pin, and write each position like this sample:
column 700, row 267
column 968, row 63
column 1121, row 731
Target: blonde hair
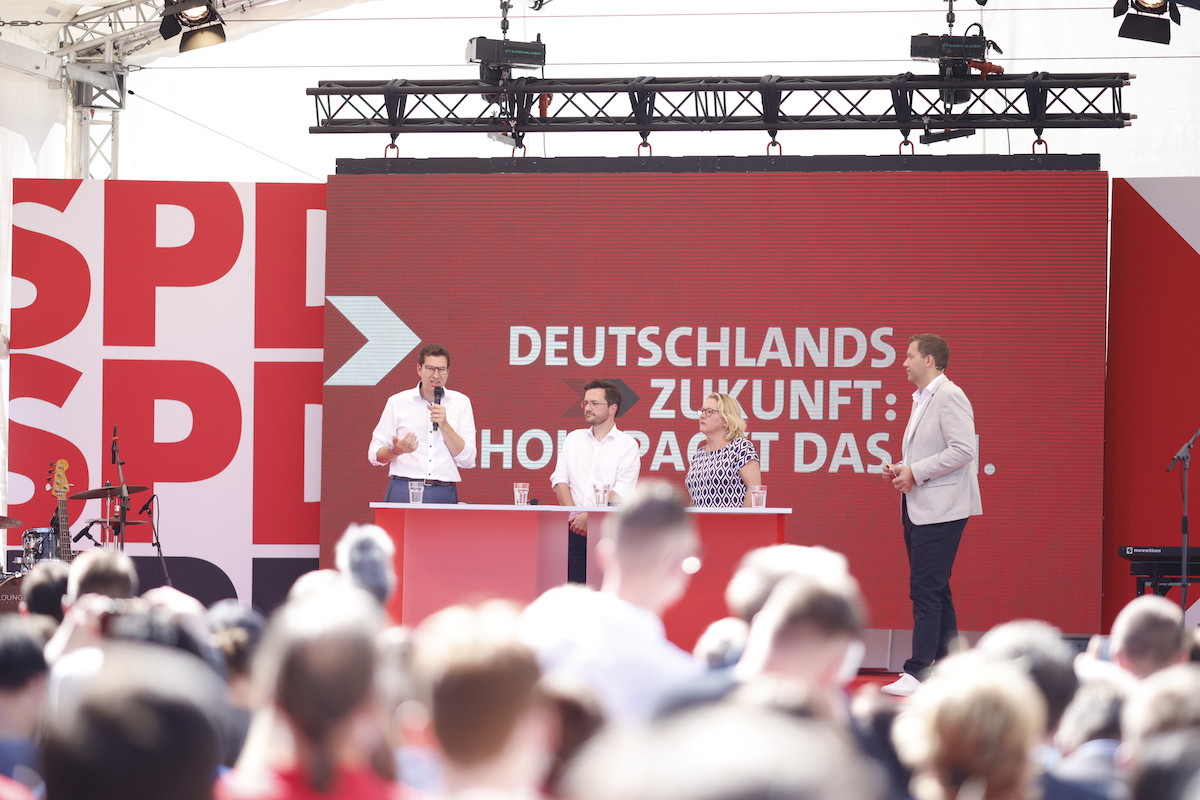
column 731, row 413
column 973, row 725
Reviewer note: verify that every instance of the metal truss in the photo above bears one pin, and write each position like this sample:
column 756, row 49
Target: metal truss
column 772, row 103
column 118, row 29
column 97, row 132
column 96, row 47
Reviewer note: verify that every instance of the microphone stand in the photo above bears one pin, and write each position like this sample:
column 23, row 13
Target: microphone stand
column 1184, row 455
column 123, row 513
column 84, row 534
column 157, row 542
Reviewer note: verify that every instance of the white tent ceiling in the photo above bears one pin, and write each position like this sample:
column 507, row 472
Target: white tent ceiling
column 136, row 20
column 244, row 102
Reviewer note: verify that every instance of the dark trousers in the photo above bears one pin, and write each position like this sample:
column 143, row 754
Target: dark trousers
column 576, row 557
column 397, row 492
column 931, row 550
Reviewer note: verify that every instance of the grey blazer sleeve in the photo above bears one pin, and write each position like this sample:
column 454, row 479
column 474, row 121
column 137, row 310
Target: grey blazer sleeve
column 954, row 438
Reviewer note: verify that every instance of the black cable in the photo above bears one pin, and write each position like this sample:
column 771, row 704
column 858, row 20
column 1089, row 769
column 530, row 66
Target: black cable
column 897, row 61
column 690, row 14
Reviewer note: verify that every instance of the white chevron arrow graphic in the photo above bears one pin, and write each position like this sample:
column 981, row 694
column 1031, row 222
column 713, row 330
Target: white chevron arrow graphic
column 389, row 340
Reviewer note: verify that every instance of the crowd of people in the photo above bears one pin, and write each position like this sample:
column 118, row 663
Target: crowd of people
column 108, row 693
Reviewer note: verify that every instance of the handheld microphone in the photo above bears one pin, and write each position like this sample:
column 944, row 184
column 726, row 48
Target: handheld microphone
column 84, row 532
column 146, row 506
column 114, row 445
column 438, row 394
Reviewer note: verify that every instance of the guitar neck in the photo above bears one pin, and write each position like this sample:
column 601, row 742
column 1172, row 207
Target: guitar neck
column 62, row 524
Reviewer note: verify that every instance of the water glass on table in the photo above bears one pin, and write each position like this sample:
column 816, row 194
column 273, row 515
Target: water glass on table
column 758, row 497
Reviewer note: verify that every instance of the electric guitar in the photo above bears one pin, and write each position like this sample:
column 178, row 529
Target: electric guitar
column 62, row 528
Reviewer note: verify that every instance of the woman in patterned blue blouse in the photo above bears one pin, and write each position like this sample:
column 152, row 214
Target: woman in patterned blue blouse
column 726, row 467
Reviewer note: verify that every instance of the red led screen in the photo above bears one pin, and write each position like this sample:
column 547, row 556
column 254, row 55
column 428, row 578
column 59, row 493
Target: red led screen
column 797, row 293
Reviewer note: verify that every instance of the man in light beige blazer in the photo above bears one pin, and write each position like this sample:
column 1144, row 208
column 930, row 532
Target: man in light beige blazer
column 939, row 484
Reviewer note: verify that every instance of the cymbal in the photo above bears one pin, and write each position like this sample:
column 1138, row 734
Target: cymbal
column 110, row 521
column 9, row 522
column 105, row 491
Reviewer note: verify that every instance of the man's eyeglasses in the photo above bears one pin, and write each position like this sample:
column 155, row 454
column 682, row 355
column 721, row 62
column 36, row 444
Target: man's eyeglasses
column 435, row 370
column 708, row 412
column 594, row 404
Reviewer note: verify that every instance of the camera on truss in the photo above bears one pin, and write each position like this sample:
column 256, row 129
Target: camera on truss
column 927, row 47
column 956, row 56
column 497, row 58
column 502, row 53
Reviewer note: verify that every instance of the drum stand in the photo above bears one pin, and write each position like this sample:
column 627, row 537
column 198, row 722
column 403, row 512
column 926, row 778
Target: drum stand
column 122, row 515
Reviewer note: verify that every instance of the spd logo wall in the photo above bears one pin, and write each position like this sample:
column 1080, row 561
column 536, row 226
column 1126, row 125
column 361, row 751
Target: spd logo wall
column 796, row 293
column 190, row 317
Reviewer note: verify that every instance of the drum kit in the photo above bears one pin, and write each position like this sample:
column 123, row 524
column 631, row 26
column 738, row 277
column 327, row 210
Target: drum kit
column 43, row 544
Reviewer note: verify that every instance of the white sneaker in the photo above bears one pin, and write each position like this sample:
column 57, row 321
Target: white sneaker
column 903, row 686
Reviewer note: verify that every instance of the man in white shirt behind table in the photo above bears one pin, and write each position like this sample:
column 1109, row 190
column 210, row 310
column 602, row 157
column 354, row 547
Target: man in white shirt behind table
column 591, row 457
column 425, row 434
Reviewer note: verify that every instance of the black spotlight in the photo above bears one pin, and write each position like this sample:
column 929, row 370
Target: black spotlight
column 198, row 20
column 1147, row 20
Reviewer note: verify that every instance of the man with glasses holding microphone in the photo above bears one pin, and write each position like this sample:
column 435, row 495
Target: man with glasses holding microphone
column 590, row 459
column 425, row 434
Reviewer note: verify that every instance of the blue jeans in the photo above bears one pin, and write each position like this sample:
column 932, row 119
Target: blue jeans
column 397, row 492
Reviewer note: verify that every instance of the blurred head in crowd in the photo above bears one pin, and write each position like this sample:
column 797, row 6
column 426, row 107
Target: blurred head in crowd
column 1148, row 635
column 1168, row 700
column 723, row 752
column 317, row 663
column 1037, row 649
column 762, row 568
column 722, row 643
column 237, row 630
column 44, row 587
column 579, row 718
column 807, row 631
column 970, row 731
column 1094, row 714
column 481, row 687
column 649, row 548
column 143, row 729
column 315, row 582
column 1167, row 767
column 366, row 554
column 105, row 572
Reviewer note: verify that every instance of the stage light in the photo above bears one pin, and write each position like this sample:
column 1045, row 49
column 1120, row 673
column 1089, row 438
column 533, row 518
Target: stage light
column 1145, row 21
column 205, row 37
column 196, row 15
column 198, row 20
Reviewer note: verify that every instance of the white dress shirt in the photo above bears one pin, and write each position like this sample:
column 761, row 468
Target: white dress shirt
column 920, row 398
column 408, row 412
column 584, row 462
